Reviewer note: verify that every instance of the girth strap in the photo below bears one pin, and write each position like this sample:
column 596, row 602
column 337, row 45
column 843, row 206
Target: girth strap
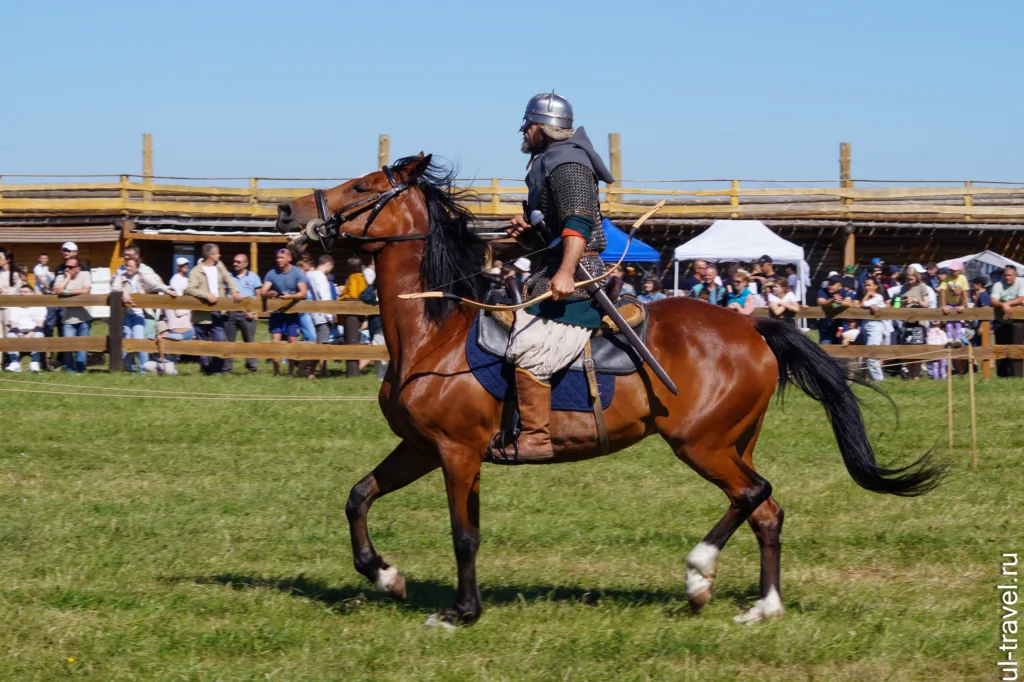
column 595, row 398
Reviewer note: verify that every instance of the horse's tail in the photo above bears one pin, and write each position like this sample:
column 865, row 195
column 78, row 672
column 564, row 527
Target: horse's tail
column 804, row 363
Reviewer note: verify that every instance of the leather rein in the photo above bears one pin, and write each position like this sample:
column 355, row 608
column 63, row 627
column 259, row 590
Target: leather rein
column 332, row 222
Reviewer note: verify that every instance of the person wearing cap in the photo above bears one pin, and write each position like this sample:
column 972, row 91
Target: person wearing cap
column 284, row 282
column 562, row 182
column 209, row 281
column 833, row 298
column 74, row 281
column 179, row 280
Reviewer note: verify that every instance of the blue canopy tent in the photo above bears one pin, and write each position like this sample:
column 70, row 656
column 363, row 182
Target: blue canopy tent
column 638, row 251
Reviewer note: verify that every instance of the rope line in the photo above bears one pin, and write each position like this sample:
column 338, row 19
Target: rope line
column 176, row 395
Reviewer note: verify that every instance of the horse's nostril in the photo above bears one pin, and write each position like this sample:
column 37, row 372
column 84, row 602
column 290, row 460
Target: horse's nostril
column 284, row 211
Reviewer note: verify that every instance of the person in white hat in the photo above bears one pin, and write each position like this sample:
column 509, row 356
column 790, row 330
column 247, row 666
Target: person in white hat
column 179, row 280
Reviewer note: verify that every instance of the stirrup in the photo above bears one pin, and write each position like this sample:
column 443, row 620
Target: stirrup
column 501, row 440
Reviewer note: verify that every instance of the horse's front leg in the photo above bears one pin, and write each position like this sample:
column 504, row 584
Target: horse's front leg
column 461, row 467
column 404, row 465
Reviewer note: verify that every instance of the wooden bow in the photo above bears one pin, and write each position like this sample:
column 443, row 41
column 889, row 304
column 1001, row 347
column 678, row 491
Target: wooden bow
column 547, row 294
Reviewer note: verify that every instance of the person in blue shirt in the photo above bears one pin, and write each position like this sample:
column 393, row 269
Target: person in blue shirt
column 247, row 282
column 287, row 283
column 709, row 290
column 651, row 291
column 833, row 298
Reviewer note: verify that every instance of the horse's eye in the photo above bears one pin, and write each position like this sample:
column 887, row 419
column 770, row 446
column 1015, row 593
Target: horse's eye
column 360, row 188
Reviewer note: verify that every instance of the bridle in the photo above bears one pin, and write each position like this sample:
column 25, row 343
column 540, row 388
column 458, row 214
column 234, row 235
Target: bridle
column 329, row 227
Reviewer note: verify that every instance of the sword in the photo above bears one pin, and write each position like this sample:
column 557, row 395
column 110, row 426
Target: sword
column 598, row 294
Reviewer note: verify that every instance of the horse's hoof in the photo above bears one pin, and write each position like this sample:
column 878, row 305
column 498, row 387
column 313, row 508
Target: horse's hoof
column 391, row 582
column 446, row 620
column 699, row 601
column 768, row 608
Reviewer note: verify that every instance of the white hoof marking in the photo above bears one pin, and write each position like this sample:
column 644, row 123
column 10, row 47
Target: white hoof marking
column 386, row 578
column 701, row 565
column 763, row 609
column 434, row 621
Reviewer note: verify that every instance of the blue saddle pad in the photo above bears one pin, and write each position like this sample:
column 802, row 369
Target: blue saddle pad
column 569, row 392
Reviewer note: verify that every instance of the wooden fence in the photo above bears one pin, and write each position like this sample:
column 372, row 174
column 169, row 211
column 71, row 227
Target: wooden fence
column 354, row 311
column 502, row 197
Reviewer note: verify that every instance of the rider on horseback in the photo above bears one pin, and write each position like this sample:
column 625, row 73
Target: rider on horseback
column 562, row 180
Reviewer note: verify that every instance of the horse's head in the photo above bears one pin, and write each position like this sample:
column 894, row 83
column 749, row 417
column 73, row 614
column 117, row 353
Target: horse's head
column 377, row 205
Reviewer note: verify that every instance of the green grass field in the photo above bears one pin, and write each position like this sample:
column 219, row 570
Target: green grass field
column 191, row 540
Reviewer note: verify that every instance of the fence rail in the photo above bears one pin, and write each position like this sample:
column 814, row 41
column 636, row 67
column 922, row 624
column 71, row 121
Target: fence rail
column 353, row 352
column 496, row 197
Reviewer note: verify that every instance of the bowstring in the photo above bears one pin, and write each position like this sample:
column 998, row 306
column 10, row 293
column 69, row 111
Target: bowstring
column 482, row 270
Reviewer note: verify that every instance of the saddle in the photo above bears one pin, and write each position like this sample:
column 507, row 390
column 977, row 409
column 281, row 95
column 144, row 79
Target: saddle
column 611, row 353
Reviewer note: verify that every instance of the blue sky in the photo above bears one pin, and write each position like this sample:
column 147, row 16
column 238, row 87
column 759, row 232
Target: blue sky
column 923, row 90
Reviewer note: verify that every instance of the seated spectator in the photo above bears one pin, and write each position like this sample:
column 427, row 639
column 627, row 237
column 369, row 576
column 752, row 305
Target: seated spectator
column 176, row 325
column 209, row 281
column 710, row 290
column 74, row 281
column 25, row 323
column 1008, row 294
column 627, row 289
column 782, row 302
column 833, row 298
column 740, row 298
column 652, row 292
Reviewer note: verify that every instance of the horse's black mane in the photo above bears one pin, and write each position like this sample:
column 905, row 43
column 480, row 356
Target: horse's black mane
column 454, row 256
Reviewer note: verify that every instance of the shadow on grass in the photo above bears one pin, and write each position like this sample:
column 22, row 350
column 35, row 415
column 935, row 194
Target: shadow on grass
column 429, row 596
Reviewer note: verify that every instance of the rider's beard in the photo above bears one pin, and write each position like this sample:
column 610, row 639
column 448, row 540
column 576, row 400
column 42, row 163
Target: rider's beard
column 528, row 146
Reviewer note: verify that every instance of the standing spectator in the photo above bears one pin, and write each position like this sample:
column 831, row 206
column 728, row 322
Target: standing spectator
column 42, row 274
column 179, row 280
column 874, row 330
column 369, row 297
column 710, row 290
column 694, row 275
column 931, row 275
column 979, row 294
column 306, row 326
column 10, row 284
column 833, row 298
column 247, row 282
column 652, row 291
column 132, row 281
column 1008, row 294
column 792, row 279
column 74, row 281
column 356, row 281
column 914, row 294
column 953, row 295
column 937, row 337
column 150, row 282
column 25, row 323
column 741, row 298
column 209, row 281
column 782, row 302
column 287, row 283
column 319, row 289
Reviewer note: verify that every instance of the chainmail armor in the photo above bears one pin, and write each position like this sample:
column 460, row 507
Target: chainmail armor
column 571, row 189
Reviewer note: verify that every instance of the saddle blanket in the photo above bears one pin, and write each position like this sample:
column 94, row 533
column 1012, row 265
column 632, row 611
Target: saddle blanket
column 569, row 392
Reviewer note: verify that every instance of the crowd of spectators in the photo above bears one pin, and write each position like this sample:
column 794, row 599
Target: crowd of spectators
column 209, row 281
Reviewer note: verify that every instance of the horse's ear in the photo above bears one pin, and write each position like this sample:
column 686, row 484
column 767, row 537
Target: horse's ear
column 419, row 168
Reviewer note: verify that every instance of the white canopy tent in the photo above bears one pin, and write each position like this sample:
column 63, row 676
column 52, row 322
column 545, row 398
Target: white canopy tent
column 744, row 240
column 983, row 263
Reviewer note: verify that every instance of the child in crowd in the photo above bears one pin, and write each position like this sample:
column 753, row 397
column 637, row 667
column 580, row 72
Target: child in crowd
column 937, row 337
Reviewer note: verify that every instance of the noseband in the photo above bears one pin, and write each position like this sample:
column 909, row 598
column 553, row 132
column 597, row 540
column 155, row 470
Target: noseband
column 332, row 222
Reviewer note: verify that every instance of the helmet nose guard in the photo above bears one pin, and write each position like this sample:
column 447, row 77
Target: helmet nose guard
column 548, row 108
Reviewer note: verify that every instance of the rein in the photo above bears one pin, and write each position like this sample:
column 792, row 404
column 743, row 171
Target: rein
column 329, row 228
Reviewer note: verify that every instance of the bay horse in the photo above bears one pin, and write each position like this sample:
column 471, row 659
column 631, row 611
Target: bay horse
column 728, row 366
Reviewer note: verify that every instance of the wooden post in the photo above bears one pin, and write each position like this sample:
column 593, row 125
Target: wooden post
column 734, row 196
column 986, row 342
column 124, row 194
column 949, row 399
column 254, row 254
column 615, row 159
column 352, row 324
column 974, row 416
column 383, row 150
column 254, row 184
column 495, row 195
column 147, row 164
column 968, row 198
column 845, row 173
column 114, row 335
column 850, row 247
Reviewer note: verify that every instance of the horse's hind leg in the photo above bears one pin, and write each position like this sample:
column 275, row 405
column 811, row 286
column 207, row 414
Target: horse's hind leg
column 721, row 464
column 404, row 465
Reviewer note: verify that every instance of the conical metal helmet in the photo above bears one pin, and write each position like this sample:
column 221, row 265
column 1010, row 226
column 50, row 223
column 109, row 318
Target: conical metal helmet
column 548, row 108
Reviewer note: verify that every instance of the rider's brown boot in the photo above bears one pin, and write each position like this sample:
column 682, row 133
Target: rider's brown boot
column 535, row 417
